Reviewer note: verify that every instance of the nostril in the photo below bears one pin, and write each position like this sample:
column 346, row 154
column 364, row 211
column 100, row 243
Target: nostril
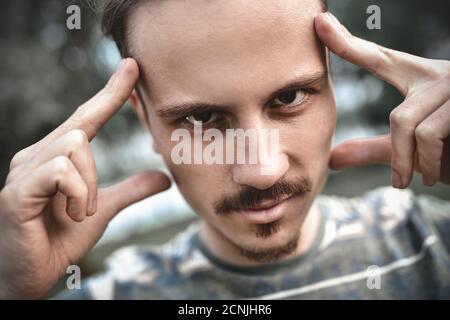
column 260, row 176
column 250, row 175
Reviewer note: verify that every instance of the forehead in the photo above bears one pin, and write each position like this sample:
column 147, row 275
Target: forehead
column 214, row 46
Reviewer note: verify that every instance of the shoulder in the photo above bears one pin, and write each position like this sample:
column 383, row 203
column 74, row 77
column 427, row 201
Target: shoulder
column 137, row 272
column 384, row 205
column 388, row 213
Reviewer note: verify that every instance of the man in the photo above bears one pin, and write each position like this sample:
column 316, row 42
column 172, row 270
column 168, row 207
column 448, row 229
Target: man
column 253, row 64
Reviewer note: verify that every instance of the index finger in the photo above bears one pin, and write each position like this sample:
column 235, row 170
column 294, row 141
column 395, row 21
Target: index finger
column 92, row 115
column 397, row 68
column 361, row 151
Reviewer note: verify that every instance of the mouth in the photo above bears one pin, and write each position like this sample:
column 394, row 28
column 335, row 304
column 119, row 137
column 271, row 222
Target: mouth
column 266, row 212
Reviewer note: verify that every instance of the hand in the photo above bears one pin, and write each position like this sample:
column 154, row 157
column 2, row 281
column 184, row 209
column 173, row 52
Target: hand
column 51, row 213
column 419, row 138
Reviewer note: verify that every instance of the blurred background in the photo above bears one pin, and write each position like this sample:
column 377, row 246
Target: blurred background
column 46, row 71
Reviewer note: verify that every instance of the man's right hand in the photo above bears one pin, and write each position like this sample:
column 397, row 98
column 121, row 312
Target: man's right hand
column 51, row 212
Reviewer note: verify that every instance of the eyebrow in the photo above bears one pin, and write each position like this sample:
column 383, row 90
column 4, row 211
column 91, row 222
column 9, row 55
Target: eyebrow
column 183, row 109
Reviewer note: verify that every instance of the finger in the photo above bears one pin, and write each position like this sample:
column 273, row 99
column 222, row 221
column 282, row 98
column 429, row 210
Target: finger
column 403, row 123
column 359, row 152
column 93, row 114
column 397, row 68
column 74, row 145
column 136, row 188
column 422, row 103
column 430, row 136
column 57, row 175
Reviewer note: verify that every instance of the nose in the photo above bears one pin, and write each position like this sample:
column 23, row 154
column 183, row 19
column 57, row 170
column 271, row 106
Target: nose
column 271, row 165
column 260, row 176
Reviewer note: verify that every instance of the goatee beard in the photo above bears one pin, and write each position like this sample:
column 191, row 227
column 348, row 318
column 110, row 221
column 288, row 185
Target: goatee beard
column 271, row 254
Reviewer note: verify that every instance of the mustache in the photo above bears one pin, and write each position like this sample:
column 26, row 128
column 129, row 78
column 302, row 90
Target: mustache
column 250, row 197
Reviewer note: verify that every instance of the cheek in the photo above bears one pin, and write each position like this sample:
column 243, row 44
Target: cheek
column 309, row 140
column 200, row 185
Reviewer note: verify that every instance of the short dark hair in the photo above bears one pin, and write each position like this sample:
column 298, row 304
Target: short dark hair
column 115, row 15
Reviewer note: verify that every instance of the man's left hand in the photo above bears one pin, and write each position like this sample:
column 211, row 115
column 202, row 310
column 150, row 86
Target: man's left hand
column 419, row 136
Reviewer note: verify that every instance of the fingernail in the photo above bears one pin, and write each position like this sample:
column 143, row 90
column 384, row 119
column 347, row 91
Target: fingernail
column 121, row 65
column 396, row 179
column 333, row 19
column 93, row 208
column 74, row 211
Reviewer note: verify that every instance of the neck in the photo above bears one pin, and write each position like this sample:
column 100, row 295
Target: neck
column 226, row 251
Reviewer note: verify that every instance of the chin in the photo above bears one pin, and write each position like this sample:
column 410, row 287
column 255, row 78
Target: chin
column 269, row 243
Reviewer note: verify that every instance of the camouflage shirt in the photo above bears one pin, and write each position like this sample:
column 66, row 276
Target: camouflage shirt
column 387, row 244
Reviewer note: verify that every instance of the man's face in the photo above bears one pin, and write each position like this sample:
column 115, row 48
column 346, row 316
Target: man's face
column 257, row 64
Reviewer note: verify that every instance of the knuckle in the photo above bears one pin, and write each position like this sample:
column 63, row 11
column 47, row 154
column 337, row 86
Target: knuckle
column 62, row 165
column 8, row 206
column 394, row 118
column 383, row 57
column 110, row 90
column 77, row 119
column 81, row 192
column 78, row 137
column 402, row 119
column 424, row 133
column 12, row 175
column 342, row 51
column 115, row 97
column 441, row 73
column 80, row 113
column 18, row 158
column 12, row 197
column 8, row 194
column 83, row 117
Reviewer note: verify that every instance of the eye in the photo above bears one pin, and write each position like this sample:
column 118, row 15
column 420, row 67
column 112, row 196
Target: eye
column 205, row 117
column 288, row 98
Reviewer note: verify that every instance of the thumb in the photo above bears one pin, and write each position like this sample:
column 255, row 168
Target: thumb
column 377, row 59
column 131, row 190
column 339, row 40
column 359, row 152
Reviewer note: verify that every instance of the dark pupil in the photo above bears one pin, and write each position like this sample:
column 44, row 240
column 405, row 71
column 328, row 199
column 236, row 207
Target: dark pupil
column 203, row 116
column 288, row 96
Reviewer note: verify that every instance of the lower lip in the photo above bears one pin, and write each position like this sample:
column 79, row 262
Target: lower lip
column 265, row 216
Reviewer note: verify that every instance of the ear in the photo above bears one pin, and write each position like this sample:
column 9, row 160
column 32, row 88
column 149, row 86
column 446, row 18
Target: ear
column 139, row 109
column 142, row 115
